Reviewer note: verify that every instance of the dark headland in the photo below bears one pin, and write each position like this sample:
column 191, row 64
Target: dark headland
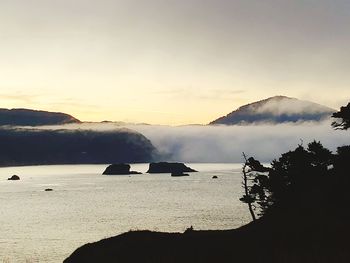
column 21, row 146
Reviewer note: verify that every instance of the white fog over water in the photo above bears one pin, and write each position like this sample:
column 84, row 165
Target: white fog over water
column 225, row 144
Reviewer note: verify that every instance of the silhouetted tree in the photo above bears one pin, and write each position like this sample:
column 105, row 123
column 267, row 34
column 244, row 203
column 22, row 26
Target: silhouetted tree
column 291, row 175
column 255, row 194
column 247, row 198
column 343, row 153
column 344, row 115
column 321, row 158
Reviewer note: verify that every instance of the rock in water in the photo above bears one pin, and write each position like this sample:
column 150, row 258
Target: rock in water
column 179, row 174
column 119, row 169
column 174, row 168
column 14, row 177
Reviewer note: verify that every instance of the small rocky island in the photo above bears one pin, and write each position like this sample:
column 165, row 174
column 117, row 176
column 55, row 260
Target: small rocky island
column 173, row 168
column 119, row 169
column 14, row 178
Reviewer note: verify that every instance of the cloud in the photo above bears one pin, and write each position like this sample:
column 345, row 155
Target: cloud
column 226, row 143
column 291, row 106
column 201, row 94
column 22, row 98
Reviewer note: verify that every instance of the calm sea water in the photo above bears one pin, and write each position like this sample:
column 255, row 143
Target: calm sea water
column 85, row 206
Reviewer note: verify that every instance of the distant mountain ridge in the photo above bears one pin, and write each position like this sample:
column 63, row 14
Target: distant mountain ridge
column 28, row 117
column 277, row 109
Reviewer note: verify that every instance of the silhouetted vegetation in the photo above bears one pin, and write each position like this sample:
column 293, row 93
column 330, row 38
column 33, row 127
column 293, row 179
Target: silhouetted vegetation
column 290, row 176
column 252, row 184
column 344, row 116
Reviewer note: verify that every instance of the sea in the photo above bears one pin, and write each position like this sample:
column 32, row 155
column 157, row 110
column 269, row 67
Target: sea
column 86, row 206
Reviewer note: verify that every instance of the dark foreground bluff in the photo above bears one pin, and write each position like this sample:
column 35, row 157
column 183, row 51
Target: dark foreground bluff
column 283, row 238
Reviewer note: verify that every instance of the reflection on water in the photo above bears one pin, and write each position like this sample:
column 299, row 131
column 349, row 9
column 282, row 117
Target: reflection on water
column 85, row 206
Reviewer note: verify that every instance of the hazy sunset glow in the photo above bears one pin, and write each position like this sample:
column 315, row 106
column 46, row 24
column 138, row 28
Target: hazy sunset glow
column 170, row 62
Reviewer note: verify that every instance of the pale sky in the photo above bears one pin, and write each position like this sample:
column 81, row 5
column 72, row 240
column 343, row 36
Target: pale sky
column 171, row 61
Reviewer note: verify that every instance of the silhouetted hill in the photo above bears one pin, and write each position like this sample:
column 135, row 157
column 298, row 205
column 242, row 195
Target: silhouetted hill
column 26, row 117
column 273, row 240
column 34, row 147
column 278, row 109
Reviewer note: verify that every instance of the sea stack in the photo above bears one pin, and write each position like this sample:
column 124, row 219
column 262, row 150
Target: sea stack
column 173, row 168
column 119, row 169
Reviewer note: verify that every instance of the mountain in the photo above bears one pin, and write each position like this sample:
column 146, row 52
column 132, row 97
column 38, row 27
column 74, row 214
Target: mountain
column 278, row 109
column 26, row 117
column 39, row 147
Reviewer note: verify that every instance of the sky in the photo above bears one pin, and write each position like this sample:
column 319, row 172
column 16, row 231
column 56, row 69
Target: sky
column 171, row 61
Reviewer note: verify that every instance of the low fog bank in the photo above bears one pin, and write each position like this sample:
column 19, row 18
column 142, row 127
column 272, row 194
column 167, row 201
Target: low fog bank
column 291, row 106
column 226, row 143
